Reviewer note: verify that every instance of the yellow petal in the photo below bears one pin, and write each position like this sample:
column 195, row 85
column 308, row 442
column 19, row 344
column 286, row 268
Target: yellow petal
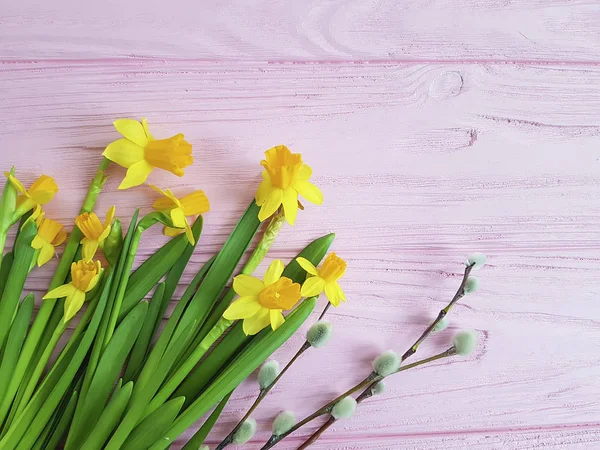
column 163, row 204
column 304, row 173
column 195, row 203
column 313, row 286
column 124, row 152
column 89, row 249
column 307, row 265
column 257, row 322
column 263, row 189
column 146, row 129
column 132, row 130
column 246, row 285
column 73, row 304
column 242, row 308
column 189, row 233
column 178, row 218
column 172, row 232
column 136, row 174
column 274, row 272
column 340, row 291
column 290, row 205
column 271, row 204
column 43, row 189
column 60, row 292
column 110, row 215
column 332, row 294
column 16, row 183
column 94, row 281
column 277, row 318
column 37, row 242
column 46, row 254
column 309, row 191
column 60, row 238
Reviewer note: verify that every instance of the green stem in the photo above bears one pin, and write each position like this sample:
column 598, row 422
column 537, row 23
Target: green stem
column 265, row 243
column 189, row 364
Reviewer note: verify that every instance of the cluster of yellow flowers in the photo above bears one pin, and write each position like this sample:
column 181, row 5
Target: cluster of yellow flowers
column 284, row 178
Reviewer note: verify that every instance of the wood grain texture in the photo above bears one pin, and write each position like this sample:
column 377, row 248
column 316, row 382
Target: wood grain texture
column 288, row 30
column 420, row 164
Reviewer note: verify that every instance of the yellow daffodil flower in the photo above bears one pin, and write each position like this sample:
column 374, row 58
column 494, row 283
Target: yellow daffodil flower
column 50, row 234
column 84, row 277
column 94, row 231
column 41, row 192
column 261, row 302
column 178, row 209
column 140, row 153
column 285, row 176
column 324, row 279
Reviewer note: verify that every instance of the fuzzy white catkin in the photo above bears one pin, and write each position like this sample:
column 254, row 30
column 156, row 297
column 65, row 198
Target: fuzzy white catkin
column 344, row 409
column 441, row 325
column 465, row 342
column 477, row 260
column 246, row 432
column 319, row 334
column 204, row 447
column 386, row 363
column 284, row 422
column 378, row 388
column 471, row 285
column 267, row 373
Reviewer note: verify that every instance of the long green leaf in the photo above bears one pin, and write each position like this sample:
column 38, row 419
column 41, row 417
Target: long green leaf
column 108, row 370
column 154, row 426
column 142, row 344
column 39, row 410
column 16, row 337
column 109, row 419
column 64, row 420
column 4, row 270
column 200, row 436
column 248, row 361
column 19, row 270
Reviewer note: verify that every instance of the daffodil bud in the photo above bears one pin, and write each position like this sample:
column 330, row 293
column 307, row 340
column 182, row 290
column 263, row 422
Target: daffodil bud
column 378, row 388
column 114, row 243
column 267, row 373
column 284, row 422
column 477, row 260
column 344, row 409
column 245, row 432
column 386, row 363
column 441, row 325
column 464, row 342
column 471, row 285
column 319, row 334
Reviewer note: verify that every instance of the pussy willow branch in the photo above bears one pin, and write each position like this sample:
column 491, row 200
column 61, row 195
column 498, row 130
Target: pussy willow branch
column 373, row 378
column 263, row 393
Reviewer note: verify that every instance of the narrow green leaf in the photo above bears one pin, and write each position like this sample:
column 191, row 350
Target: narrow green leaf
column 108, row 370
column 109, row 419
column 154, row 426
column 28, row 426
column 4, row 270
column 16, row 337
column 64, row 420
column 198, row 439
column 248, row 361
column 114, row 243
column 142, row 344
column 16, row 279
column 149, row 273
column 8, row 203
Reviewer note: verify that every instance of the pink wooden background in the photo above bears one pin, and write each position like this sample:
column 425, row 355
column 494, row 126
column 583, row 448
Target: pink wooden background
column 435, row 128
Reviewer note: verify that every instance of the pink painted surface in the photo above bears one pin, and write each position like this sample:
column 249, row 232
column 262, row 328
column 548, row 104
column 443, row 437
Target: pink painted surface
column 434, row 129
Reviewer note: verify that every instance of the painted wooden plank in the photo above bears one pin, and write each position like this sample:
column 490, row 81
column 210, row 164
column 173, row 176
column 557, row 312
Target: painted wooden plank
column 420, row 165
column 283, row 30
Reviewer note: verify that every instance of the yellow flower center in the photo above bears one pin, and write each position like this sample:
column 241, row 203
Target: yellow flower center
column 82, row 273
column 283, row 294
column 282, row 166
column 90, row 225
column 333, row 268
column 49, row 231
column 172, row 154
